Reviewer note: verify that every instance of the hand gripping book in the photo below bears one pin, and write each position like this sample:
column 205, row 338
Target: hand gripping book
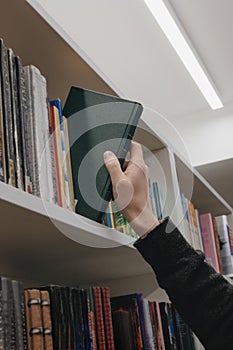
column 96, row 123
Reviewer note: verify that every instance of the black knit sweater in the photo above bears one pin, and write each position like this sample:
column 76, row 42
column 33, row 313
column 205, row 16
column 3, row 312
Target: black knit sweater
column 203, row 297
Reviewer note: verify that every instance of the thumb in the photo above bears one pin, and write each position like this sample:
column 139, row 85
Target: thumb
column 113, row 166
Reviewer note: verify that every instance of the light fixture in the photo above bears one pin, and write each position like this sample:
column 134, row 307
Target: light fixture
column 173, row 30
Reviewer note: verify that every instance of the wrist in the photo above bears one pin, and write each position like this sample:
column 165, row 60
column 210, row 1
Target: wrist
column 144, row 223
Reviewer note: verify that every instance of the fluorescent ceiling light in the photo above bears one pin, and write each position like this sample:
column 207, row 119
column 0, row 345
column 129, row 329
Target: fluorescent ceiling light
column 178, row 39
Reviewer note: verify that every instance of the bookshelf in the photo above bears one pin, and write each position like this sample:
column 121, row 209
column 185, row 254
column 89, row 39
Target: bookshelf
column 52, row 244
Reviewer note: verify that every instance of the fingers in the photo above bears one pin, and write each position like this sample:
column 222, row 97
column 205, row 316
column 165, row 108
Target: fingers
column 136, row 155
column 113, row 166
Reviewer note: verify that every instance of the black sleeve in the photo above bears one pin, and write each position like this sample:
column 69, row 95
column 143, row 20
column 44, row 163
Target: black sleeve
column 203, row 297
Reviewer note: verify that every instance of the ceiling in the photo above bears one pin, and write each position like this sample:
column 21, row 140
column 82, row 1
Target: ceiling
column 209, row 26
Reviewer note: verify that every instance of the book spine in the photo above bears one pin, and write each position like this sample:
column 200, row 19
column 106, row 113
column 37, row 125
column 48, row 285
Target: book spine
column 225, row 246
column 187, row 233
column 107, row 318
column 6, row 314
column 60, row 156
column 216, row 238
column 201, row 244
column 79, row 314
column 160, row 326
column 68, row 165
column 57, row 103
column 46, row 320
column 3, row 174
column 209, row 240
column 154, row 325
column 41, row 134
column 86, row 308
column 56, row 154
column 30, row 131
column 34, row 319
column 51, row 150
column 148, row 325
column 8, row 118
column 91, row 319
column 15, row 120
column 139, row 299
column 23, row 134
column 19, row 331
column 99, row 318
column 158, row 205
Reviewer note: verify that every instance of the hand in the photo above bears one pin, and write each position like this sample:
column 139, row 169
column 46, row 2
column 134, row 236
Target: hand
column 130, row 189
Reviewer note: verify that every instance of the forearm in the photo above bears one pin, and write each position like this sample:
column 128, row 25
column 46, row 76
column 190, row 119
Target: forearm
column 203, row 297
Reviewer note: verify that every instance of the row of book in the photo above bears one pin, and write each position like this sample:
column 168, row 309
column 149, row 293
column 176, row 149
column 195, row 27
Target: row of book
column 115, row 219
column 210, row 234
column 72, row 318
column 34, row 146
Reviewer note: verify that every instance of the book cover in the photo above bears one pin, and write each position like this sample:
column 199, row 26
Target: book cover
column 96, row 123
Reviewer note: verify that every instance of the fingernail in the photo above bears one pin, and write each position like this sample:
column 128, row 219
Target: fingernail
column 108, row 155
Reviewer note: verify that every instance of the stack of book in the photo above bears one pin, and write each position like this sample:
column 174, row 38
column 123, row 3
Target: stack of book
column 62, row 318
column 142, row 324
column 212, row 235
column 34, row 147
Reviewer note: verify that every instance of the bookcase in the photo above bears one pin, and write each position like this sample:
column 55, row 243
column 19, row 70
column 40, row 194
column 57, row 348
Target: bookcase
column 42, row 243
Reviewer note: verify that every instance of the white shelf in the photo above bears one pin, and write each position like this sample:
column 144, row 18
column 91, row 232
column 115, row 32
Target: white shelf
column 204, row 197
column 55, row 245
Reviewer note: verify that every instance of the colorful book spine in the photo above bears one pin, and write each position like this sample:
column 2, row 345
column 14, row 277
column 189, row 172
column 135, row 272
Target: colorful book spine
column 209, row 240
column 109, row 336
column 99, row 318
column 57, row 103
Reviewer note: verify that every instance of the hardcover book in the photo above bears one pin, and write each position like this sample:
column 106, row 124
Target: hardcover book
column 96, row 123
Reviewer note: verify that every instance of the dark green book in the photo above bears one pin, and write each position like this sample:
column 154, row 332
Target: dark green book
column 97, row 122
